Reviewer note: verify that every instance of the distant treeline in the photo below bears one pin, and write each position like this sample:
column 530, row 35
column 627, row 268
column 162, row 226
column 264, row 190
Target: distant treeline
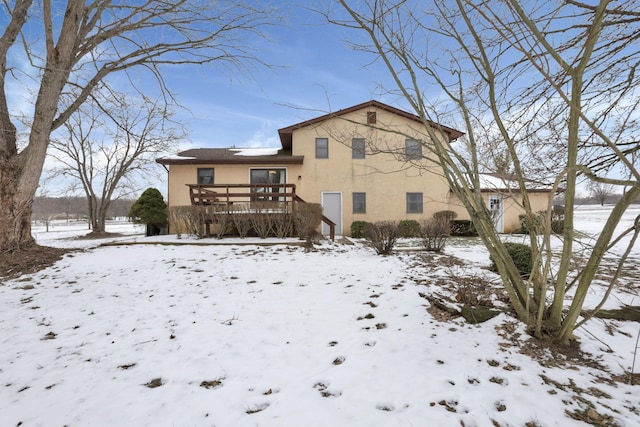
column 590, row 200
column 48, row 208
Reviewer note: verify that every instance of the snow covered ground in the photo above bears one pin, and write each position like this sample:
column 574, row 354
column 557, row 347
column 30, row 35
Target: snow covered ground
column 248, row 335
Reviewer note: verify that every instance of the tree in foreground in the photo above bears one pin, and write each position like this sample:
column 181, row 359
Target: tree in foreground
column 80, row 45
column 551, row 88
column 150, row 209
column 107, row 146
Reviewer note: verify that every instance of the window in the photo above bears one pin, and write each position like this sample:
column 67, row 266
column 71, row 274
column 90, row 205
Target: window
column 412, row 149
column 322, row 148
column 357, row 148
column 371, row 117
column 205, row 176
column 414, row 202
column 359, row 203
column 273, row 180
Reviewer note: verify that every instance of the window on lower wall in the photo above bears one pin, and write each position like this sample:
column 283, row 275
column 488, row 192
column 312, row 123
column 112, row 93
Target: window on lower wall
column 359, row 203
column 414, row 202
column 322, row 148
column 205, row 176
column 268, row 177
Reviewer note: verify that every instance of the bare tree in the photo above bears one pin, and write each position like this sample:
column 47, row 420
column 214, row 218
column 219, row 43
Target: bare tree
column 554, row 83
column 45, row 209
column 80, row 45
column 108, row 141
column 600, row 191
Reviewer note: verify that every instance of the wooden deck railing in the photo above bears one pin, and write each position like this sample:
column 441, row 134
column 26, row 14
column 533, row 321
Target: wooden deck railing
column 230, row 194
column 242, row 198
column 331, row 224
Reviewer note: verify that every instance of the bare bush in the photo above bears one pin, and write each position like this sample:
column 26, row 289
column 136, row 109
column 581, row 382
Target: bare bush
column 307, row 218
column 242, row 220
column 177, row 221
column 434, row 233
column 382, row 236
column 282, row 224
column 188, row 220
column 262, row 218
column 445, row 215
column 222, row 224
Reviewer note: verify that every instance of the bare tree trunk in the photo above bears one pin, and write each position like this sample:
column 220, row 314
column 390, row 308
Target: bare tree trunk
column 92, row 208
column 15, row 211
column 102, row 216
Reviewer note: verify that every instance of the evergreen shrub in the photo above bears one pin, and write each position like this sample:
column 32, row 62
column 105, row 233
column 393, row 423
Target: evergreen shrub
column 357, row 228
column 463, row 228
column 521, row 256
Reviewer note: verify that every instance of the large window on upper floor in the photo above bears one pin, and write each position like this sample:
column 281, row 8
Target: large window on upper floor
column 205, row 176
column 414, row 202
column 412, row 149
column 322, row 148
column 359, row 203
column 357, row 148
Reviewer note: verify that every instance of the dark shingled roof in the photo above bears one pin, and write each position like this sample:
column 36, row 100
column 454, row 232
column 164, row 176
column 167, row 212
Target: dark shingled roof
column 231, row 156
column 221, row 156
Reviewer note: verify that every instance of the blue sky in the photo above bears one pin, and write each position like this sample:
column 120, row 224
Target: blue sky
column 316, row 72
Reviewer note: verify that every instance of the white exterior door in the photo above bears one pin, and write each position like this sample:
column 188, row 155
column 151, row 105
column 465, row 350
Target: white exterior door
column 496, row 207
column 332, row 209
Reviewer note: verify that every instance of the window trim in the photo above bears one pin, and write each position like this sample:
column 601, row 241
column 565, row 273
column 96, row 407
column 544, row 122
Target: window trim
column 358, row 153
column 420, row 207
column 199, row 178
column 324, row 154
column 364, row 202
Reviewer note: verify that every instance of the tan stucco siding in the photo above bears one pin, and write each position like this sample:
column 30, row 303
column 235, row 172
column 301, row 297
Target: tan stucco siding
column 385, row 177
column 182, row 175
column 512, row 207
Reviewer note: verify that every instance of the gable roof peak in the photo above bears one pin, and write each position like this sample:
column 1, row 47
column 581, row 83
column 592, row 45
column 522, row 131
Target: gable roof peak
column 286, row 133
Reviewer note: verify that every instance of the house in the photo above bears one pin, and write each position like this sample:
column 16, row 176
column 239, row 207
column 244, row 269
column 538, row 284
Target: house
column 362, row 163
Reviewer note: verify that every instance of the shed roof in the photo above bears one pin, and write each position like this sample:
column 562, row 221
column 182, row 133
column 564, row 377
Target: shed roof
column 490, row 182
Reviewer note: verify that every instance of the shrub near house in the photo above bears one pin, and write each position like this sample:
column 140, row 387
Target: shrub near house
column 150, row 209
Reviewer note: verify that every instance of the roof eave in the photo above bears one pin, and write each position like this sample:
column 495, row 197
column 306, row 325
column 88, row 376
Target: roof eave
column 240, row 160
column 286, row 132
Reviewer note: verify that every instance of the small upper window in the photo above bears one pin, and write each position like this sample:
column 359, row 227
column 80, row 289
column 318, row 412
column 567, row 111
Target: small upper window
column 357, row 148
column 414, row 202
column 322, row 148
column 205, row 176
column 412, row 149
column 371, row 117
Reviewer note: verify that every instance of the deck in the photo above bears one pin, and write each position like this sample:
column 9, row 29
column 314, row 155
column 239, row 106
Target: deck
column 244, row 199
